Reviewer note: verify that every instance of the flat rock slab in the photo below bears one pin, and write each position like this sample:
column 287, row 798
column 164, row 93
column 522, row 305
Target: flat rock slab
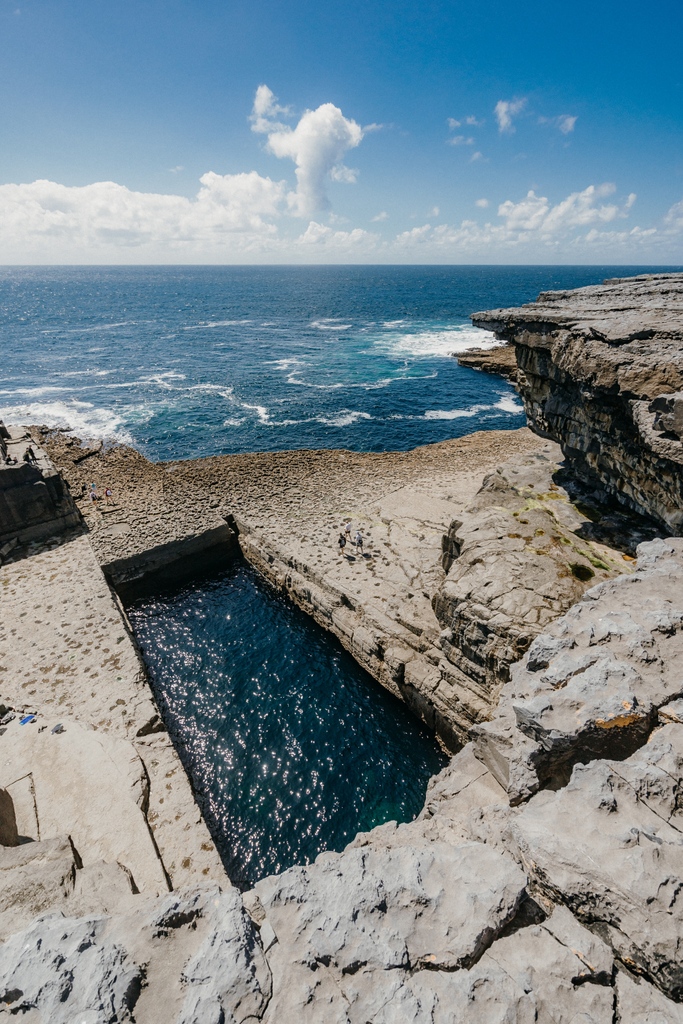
column 610, row 847
column 67, row 654
column 89, row 785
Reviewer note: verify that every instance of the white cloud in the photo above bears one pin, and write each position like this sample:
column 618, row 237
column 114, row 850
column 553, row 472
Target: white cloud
column 461, row 140
column 321, row 235
column 469, row 120
column 505, row 110
column 434, row 212
column 481, row 203
column 45, row 217
column 476, row 156
column 317, row 146
column 177, row 169
column 674, row 218
column 566, row 123
column 380, row 216
column 266, row 110
column 534, row 224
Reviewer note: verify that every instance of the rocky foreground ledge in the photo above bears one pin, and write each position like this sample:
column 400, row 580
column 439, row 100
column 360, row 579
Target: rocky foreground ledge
column 517, row 601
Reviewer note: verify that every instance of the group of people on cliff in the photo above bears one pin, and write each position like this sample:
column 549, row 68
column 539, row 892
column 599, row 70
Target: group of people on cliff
column 345, row 538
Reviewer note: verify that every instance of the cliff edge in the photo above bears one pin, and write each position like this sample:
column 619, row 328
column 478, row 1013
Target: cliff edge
column 600, row 370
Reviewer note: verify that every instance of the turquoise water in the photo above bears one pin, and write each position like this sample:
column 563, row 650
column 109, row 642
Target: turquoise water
column 292, row 747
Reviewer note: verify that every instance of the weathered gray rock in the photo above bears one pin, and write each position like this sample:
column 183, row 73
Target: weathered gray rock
column 35, row 502
column 596, row 369
column 592, row 685
column 382, row 912
column 566, row 969
column 190, row 958
column 516, row 560
column 610, row 847
column 638, row 1002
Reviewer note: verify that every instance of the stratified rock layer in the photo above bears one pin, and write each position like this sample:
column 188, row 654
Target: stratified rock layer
column 600, row 369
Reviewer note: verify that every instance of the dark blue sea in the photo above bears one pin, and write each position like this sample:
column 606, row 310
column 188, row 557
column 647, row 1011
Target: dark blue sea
column 291, row 747
column 191, row 361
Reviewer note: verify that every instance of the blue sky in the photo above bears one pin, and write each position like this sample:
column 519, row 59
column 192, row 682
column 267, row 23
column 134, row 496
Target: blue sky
column 462, row 132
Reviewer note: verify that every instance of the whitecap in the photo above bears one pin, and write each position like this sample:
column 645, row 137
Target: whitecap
column 260, row 410
column 455, row 414
column 234, row 421
column 215, row 323
column 330, row 324
column 344, row 418
column 508, row 403
column 81, row 418
column 441, row 343
column 33, row 392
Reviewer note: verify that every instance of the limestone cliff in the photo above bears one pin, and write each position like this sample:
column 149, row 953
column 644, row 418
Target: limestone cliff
column 600, row 370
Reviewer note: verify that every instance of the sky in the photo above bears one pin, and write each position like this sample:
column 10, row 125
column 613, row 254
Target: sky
column 469, row 131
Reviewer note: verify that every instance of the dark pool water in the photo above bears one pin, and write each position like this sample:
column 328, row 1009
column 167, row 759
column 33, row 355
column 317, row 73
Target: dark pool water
column 291, row 746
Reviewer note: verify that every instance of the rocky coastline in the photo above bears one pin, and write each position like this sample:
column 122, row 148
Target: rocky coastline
column 522, row 592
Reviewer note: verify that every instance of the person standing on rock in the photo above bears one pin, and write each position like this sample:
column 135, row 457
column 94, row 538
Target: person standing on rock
column 359, row 542
column 347, row 530
column 342, row 543
column 108, row 496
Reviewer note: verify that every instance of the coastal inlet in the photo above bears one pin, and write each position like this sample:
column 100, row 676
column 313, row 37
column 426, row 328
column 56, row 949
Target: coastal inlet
column 291, row 747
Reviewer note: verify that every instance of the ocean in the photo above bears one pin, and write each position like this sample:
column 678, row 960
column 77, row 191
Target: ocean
column 291, row 747
column 192, row 361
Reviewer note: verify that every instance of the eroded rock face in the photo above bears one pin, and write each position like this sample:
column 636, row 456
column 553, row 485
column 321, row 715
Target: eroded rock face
column 591, row 686
column 599, row 370
column 516, row 560
column 619, row 864
column 191, row 958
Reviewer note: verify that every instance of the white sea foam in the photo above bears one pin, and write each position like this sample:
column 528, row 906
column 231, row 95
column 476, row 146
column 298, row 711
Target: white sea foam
column 221, row 390
column 330, row 324
column 234, row 421
column 215, row 323
column 344, row 418
column 33, row 392
column 261, row 411
column 455, row 414
column 448, row 342
column 81, row 418
column 508, row 403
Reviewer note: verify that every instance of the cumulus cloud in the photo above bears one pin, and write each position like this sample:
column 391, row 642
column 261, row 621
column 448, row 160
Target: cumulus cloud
column 45, row 215
column 461, row 140
column 380, row 216
column 577, row 220
column 505, row 111
column 317, row 145
column 481, row 203
column 321, row 235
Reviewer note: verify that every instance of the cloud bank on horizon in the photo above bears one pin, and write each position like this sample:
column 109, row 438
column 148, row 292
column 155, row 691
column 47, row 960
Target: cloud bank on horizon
column 251, row 217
